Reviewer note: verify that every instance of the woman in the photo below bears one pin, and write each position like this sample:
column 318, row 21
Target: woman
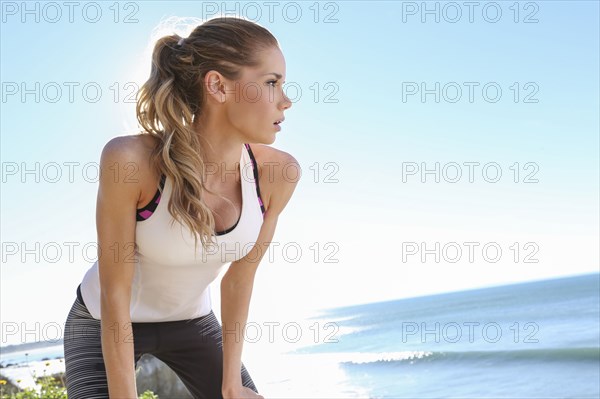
column 189, row 176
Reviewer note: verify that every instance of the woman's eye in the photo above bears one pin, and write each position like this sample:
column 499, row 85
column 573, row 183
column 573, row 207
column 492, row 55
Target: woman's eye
column 271, row 81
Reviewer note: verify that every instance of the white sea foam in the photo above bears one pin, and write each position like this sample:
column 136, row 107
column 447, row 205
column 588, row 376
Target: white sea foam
column 303, row 376
column 316, row 375
column 360, row 357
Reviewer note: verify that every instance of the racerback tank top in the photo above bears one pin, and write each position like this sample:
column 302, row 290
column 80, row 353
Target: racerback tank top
column 171, row 280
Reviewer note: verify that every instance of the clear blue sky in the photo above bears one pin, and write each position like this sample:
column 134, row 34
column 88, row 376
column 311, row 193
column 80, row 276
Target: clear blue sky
column 357, row 123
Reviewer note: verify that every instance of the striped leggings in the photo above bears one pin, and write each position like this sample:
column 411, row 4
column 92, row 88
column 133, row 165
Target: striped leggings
column 191, row 348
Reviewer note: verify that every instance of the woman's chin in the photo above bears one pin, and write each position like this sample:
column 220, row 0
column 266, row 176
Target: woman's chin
column 267, row 138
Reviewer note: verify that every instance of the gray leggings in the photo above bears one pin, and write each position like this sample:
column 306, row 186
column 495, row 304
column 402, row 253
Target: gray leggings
column 191, row 348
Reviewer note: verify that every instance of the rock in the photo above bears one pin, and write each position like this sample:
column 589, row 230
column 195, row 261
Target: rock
column 156, row 376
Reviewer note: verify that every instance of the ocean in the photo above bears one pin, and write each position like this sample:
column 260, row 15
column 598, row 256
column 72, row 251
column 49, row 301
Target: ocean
column 529, row 340
column 31, row 355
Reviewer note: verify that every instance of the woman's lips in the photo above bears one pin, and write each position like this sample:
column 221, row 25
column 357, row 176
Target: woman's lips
column 277, row 125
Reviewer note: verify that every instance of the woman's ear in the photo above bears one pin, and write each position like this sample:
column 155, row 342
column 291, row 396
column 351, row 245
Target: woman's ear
column 214, row 84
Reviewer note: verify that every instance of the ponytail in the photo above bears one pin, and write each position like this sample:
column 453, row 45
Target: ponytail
column 172, row 97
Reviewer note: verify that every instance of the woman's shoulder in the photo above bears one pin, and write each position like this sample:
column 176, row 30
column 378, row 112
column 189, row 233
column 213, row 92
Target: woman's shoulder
column 128, row 157
column 129, row 152
column 278, row 172
column 266, row 155
column 131, row 146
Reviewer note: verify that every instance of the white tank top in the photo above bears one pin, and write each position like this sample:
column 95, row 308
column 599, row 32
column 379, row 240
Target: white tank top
column 171, row 280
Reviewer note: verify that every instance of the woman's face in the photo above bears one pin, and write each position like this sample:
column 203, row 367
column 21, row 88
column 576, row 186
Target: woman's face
column 256, row 101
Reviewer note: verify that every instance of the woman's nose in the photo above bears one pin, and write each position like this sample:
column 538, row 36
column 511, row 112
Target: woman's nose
column 287, row 103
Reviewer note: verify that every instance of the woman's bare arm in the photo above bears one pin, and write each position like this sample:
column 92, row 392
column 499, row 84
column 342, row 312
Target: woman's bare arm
column 238, row 281
column 118, row 195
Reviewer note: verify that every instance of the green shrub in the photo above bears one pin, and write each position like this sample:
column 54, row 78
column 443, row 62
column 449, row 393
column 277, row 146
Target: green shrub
column 148, row 395
column 51, row 387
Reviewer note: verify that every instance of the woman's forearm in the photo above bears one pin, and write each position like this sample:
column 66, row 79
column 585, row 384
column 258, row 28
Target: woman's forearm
column 118, row 352
column 236, row 291
column 235, row 303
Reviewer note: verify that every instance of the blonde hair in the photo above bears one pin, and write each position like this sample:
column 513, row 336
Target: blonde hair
column 172, row 97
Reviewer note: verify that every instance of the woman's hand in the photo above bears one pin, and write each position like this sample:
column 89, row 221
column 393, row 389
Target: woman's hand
column 241, row 393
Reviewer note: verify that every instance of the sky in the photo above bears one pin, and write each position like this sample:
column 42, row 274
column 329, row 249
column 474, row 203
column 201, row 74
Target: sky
column 442, row 147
